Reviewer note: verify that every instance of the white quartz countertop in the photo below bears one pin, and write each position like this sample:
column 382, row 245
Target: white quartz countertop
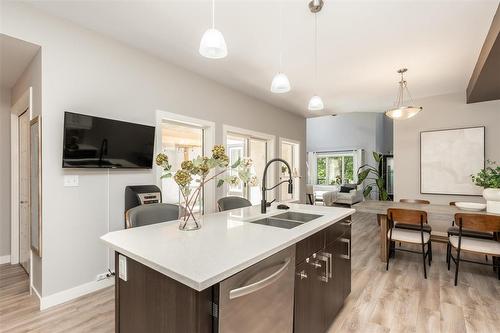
column 225, row 244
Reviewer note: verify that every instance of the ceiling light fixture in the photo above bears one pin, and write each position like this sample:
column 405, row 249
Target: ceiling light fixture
column 402, row 110
column 212, row 44
column 315, row 103
column 280, row 83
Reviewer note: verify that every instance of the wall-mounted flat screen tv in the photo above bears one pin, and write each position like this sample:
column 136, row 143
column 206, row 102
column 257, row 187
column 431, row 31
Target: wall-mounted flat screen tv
column 93, row 142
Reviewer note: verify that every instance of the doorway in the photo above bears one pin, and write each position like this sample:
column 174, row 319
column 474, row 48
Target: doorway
column 241, row 145
column 24, row 190
column 181, row 142
column 290, row 152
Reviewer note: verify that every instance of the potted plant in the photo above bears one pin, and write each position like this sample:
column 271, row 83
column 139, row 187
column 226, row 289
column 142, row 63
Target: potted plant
column 370, row 173
column 489, row 179
column 203, row 170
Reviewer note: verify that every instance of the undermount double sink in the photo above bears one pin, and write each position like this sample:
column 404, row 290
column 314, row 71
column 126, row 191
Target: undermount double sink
column 287, row 220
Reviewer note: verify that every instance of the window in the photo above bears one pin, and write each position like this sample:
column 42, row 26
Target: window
column 290, row 153
column 180, row 142
column 335, row 169
column 239, row 146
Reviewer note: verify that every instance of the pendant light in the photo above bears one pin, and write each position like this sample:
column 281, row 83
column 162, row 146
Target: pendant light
column 315, row 103
column 280, row 83
column 212, row 44
column 402, row 110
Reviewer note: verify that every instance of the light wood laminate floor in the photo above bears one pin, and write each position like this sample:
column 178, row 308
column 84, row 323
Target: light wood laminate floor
column 396, row 301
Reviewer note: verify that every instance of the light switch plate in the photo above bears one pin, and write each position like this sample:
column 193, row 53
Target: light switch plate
column 122, row 267
column 71, row 181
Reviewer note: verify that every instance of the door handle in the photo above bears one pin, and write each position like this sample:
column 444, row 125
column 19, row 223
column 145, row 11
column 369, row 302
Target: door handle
column 251, row 288
column 348, row 242
column 23, row 202
column 327, row 258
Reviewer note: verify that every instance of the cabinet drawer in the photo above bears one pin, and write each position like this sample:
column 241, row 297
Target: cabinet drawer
column 338, row 229
column 310, row 245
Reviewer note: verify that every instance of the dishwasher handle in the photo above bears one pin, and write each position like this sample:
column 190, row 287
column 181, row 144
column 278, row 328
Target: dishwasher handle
column 251, row 288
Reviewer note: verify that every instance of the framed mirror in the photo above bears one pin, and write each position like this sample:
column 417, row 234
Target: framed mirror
column 36, row 185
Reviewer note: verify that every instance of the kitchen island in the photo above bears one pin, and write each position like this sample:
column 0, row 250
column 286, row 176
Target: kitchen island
column 208, row 280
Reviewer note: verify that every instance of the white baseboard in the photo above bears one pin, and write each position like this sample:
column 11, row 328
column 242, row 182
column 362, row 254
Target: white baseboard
column 70, row 294
column 5, row 259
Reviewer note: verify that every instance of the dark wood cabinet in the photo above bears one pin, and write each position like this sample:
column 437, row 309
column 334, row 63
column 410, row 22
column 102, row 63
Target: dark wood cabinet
column 323, row 277
column 308, row 315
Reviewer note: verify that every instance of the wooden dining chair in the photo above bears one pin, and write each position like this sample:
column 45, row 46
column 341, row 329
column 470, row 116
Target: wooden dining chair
column 453, row 231
column 417, row 218
column 475, row 222
column 398, row 224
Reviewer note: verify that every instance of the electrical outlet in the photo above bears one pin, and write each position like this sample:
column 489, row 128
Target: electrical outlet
column 71, row 181
column 101, row 276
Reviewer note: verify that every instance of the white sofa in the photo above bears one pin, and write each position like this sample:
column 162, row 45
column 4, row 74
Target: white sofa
column 332, row 195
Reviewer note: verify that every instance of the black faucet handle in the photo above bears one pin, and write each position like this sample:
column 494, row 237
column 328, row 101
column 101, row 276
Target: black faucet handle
column 268, row 204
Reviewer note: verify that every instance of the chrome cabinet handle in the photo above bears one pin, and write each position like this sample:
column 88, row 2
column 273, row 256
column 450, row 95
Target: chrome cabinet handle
column 302, row 275
column 348, row 223
column 315, row 263
column 326, row 257
column 348, row 242
column 251, row 288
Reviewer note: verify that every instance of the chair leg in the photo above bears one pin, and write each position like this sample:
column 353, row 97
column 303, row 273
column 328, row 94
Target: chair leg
column 423, row 257
column 456, row 266
column 389, row 250
column 429, row 249
column 448, row 254
column 388, row 256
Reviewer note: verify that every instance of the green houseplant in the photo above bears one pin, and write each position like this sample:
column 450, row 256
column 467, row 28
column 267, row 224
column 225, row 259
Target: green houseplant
column 489, row 179
column 373, row 178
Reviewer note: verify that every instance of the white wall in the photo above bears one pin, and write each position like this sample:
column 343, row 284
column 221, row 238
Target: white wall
column 4, row 171
column 440, row 112
column 88, row 73
column 348, row 131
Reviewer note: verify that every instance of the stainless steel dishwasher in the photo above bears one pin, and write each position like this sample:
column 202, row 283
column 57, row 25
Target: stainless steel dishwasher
column 259, row 298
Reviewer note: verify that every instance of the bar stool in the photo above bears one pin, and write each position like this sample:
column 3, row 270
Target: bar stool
column 416, row 218
column 475, row 222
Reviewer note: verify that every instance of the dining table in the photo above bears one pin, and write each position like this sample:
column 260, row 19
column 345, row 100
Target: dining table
column 437, row 214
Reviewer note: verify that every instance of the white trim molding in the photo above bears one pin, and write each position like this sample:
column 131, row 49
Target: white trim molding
column 70, row 294
column 208, row 142
column 24, row 103
column 5, row 259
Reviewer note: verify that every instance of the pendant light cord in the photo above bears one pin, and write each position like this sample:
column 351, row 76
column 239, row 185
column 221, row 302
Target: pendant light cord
column 281, row 36
column 213, row 14
column 315, row 51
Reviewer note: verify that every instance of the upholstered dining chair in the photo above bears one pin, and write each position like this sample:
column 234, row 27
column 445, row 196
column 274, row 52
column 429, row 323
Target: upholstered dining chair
column 232, row 202
column 420, row 237
column 454, row 230
column 150, row 214
column 461, row 243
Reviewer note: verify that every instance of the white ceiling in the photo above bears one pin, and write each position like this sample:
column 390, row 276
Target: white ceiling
column 15, row 56
column 362, row 44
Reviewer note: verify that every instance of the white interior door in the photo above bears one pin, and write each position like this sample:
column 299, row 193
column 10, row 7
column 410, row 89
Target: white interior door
column 24, row 191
